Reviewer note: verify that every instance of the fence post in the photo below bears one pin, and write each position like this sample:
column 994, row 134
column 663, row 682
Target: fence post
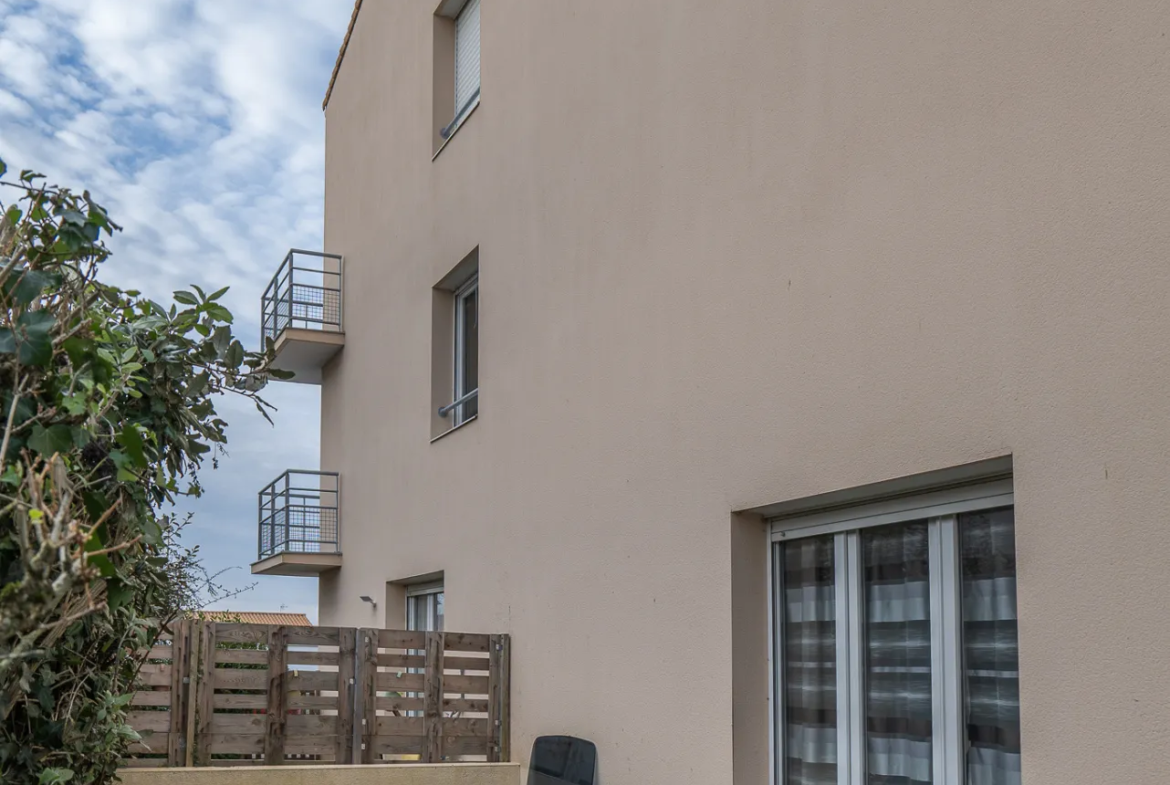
column 346, row 692
column 195, row 636
column 499, row 698
column 180, row 673
column 205, row 694
column 368, row 664
column 277, row 715
column 433, row 699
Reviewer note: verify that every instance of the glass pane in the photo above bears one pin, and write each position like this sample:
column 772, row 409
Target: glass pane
column 990, row 647
column 439, row 612
column 810, row 663
column 470, row 351
column 896, row 563
column 416, row 613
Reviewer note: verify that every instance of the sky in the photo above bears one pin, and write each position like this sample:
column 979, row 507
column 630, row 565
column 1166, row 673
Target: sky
column 198, row 125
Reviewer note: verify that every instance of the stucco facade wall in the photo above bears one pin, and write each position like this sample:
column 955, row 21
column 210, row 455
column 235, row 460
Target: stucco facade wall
column 398, row 774
column 735, row 254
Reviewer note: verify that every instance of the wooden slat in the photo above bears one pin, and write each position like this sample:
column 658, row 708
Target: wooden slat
column 310, row 745
column 466, row 663
column 239, row 679
column 314, row 657
column 347, row 647
column 402, row 661
column 295, row 680
column 155, row 675
column 143, row 763
column 277, row 716
column 153, row 742
column 412, row 745
column 313, row 636
column 369, row 641
column 311, row 725
column 457, row 727
column 295, row 724
column 176, row 749
column 400, row 726
column 467, row 641
column 241, row 656
column 402, row 639
column 151, row 698
column 453, row 727
column 433, row 699
column 400, row 704
column 466, row 705
column 191, row 698
column 246, row 724
column 310, row 681
column 397, row 745
column 401, row 682
column 296, row 700
column 236, row 762
column 205, row 689
column 157, row 721
column 503, row 729
column 234, row 743
column 158, row 652
column 464, row 685
column 228, row 632
column 494, row 704
column 467, row 745
column 227, row 701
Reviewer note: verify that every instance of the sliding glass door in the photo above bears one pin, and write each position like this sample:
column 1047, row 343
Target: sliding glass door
column 896, row 646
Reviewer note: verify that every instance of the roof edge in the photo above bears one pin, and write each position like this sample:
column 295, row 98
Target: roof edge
column 357, row 6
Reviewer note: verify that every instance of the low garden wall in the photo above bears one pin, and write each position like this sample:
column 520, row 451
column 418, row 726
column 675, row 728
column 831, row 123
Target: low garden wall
column 395, row 774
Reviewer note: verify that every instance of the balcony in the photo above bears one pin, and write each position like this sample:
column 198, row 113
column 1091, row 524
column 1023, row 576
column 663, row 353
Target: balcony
column 300, row 530
column 301, row 314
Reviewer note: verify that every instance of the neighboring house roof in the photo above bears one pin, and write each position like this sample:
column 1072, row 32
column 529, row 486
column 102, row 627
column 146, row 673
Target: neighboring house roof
column 357, row 6
column 256, row 617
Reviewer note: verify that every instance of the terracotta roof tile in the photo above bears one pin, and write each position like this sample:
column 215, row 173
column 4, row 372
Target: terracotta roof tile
column 357, row 6
column 256, row 617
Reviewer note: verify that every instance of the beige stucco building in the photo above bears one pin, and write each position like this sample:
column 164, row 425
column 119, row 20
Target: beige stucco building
column 822, row 353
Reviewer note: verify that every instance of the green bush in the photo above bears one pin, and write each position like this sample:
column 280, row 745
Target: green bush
column 107, row 410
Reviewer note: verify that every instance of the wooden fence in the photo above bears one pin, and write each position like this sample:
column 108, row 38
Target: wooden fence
column 217, row 694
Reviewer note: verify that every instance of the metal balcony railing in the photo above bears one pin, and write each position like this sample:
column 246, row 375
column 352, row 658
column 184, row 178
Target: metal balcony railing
column 299, row 514
column 305, row 293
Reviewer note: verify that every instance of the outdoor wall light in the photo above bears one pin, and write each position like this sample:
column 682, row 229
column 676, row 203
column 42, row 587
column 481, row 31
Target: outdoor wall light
column 370, row 600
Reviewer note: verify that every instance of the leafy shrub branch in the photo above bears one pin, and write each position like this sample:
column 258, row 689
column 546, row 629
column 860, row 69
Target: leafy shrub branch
column 107, row 403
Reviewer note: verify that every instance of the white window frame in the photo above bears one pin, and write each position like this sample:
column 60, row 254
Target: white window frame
column 420, row 590
column 940, row 509
column 460, row 349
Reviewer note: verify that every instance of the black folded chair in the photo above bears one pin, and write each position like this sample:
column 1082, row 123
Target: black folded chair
column 562, row 760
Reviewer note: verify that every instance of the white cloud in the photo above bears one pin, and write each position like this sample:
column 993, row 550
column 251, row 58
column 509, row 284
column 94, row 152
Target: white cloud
column 197, row 123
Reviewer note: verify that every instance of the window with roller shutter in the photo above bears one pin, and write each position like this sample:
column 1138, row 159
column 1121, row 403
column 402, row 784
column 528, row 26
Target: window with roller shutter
column 466, row 58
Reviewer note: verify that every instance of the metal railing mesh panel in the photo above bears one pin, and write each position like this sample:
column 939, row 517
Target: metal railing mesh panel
column 298, row 513
column 305, row 293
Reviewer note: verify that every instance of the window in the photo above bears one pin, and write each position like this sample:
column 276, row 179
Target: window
column 896, row 645
column 466, row 393
column 424, row 608
column 466, row 64
column 455, row 347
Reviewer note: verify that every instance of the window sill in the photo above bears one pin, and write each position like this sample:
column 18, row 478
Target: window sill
column 459, row 124
column 463, row 424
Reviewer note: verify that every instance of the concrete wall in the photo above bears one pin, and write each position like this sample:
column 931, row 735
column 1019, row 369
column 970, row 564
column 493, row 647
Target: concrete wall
column 736, row 254
column 398, row 774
